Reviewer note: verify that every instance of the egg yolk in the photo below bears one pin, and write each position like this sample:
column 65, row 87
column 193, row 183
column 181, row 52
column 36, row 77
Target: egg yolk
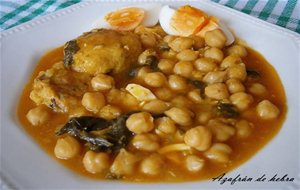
column 212, row 24
column 188, row 20
column 125, row 19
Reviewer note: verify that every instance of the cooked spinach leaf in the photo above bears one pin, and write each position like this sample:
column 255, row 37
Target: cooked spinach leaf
column 253, row 73
column 200, row 85
column 164, row 47
column 152, row 61
column 100, row 134
column 226, row 110
column 70, row 49
column 133, row 71
column 155, row 116
column 113, row 176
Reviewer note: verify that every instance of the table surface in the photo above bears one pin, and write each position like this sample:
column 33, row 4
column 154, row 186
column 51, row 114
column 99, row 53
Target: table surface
column 284, row 13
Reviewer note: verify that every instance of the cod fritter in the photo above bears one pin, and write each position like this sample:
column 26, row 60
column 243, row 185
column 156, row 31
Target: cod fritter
column 60, row 88
column 102, row 51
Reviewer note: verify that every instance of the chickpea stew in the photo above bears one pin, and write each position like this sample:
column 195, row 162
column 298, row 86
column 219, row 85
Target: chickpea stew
column 145, row 106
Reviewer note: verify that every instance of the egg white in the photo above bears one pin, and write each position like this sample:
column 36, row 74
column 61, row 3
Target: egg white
column 165, row 17
column 152, row 11
column 228, row 34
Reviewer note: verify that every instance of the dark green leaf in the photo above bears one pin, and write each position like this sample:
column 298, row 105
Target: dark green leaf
column 134, row 71
column 70, row 49
column 253, row 73
column 152, row 61
column 164, row 47
column 200, row 85
column 226, row 110
column 113, row 176
column 98, row 133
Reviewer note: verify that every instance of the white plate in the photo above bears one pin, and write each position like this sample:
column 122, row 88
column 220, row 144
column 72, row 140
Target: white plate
column 25, row 165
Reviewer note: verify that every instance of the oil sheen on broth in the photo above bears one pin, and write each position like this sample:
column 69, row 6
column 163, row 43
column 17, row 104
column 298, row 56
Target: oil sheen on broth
column 228, row 137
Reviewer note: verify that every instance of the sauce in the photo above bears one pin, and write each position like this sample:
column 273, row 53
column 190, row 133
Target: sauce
column 264, row 130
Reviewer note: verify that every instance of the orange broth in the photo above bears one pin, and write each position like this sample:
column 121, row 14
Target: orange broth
column 243, row 150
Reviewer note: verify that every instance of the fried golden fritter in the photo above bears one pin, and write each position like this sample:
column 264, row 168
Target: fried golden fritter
column 59, row 88
column 102, row 51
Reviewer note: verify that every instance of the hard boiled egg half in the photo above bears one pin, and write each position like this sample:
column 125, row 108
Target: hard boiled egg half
column 187, row 20
column 128, row 18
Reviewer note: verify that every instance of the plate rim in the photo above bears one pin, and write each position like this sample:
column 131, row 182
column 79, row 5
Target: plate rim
column 67, row 10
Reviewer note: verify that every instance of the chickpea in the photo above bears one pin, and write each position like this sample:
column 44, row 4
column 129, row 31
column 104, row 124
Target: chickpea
column 141, row 29
column 102, row 82
column 215, row 38
column 231, row 60
column 217, row 91
column 141, row 122
column 93, row 101
column 220, row 130
column 237, row 72
column 214, row 77
column 267, row 110
column 169, row 38
column 66, row 148
column 145, row 57
column 124, row 163
column 123, row 99
column 78, row 111
column 163, row 93
column 197, row 75
column 257, row 89
column 176, row 158
column 205, row 64
column 148, row 40
column 155, row 79
column 181, row 43
column 110, row 112
column 218, row 152
column 180, row 116
column 142, row 72
column 179, row 136
column 160, row 133
column 95, row 162
column 203, row 117
column 38, row 115
column 214, row 53
column 198, row 137
column 193, row 163
column 146, row 142
column 155, row 106
column 243, row 128
column 235, row 86
column 237, row 50
column 152, row 165
column 183, row 68
column 181, row 102
column 177, row 82
column 166, row 65
column 241, row 100
column 187, row 55
column 202, row 51
column 199, row 42
column 171, row 54
column 128, row 101
column 166, row 125
column 195, row 96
